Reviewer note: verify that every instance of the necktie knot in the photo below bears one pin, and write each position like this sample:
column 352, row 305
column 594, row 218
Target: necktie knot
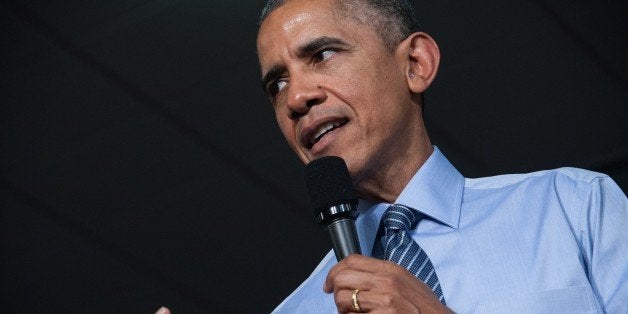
column 400, row 248
column 399, row 217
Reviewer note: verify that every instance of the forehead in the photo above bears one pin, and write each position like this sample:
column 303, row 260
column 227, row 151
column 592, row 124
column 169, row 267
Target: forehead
column 297, row 22
column 294, row 13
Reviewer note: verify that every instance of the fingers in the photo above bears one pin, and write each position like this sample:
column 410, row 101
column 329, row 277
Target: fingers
column 345, row 272
column 358, row 267
column 163, row 310
column 344, row 301
column 375, row 278
column 384, row 286
column 349, row 279
column 369, row 301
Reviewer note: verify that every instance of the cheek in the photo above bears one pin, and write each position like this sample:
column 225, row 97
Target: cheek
column 366, row 86
column 287, row 128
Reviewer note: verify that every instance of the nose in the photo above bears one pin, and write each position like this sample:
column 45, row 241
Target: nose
column 303, row 94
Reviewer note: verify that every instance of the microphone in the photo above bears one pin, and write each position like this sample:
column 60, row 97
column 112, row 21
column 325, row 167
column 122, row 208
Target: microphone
column 334, row 202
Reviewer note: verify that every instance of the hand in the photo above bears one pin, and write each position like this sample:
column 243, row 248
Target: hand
column 163, row 310
column 384, row 287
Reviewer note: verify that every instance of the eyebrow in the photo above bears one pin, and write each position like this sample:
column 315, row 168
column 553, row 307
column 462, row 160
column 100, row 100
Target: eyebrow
column 304, row 50
column 316, row 44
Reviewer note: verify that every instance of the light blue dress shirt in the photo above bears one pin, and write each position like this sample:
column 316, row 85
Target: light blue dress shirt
column 551, row 241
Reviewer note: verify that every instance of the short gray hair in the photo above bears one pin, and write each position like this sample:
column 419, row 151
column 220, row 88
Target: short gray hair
column 392, row 20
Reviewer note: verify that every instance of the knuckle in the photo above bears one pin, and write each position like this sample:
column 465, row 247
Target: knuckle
column 340, row 277
column 388, row 281
column 388, row 266
column 333, row 272
column 337, row 298
column 387, row 300
column 351, row 260
column 394, row 267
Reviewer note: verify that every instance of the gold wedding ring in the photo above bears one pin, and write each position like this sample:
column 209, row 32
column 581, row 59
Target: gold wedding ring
column 354, row 298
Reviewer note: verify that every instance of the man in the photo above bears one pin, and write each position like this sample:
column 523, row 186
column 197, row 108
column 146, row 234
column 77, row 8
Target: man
column 346, row 78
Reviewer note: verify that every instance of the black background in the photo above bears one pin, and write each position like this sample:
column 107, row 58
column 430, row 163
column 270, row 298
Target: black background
column 141, row 164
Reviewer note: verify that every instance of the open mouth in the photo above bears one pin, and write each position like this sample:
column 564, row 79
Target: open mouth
column 323, row 130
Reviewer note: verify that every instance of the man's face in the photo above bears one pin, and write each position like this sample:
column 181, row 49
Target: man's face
column 335, row 87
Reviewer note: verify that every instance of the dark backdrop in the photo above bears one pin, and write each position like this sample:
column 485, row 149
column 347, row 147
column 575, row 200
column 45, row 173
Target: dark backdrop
column 141, row 164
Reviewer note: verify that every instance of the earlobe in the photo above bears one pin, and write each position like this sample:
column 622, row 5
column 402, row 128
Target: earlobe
column 423, row 60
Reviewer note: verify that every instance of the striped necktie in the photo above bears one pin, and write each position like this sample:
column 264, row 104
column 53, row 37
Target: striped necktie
column 403, row 250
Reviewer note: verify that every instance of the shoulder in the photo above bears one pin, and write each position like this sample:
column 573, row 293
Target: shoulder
column 568, row 194
column 566, row 176
column 580, row 196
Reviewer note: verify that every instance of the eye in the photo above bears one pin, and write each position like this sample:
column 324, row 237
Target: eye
column 323, row 55
column 277, row 86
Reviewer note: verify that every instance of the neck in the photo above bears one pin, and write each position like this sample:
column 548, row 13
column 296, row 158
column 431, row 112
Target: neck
column 385, row 180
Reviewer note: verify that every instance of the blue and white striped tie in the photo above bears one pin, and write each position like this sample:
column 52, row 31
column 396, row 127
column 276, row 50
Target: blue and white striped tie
column 403, row 250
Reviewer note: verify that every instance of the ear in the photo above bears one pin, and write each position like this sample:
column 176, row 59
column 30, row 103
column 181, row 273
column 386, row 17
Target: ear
column 423, row 58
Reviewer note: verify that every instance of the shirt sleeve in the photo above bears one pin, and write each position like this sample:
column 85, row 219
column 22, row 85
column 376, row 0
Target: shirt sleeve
column 604, row 239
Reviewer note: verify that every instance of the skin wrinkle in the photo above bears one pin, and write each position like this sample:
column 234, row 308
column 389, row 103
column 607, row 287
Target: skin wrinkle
column 299, row 18
column 384, row 142
column 350, row 78
column 390, row 27
column 302, row 52
column 393, row 24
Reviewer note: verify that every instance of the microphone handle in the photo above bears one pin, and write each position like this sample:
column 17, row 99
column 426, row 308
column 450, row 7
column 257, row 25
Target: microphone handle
column 344, row 237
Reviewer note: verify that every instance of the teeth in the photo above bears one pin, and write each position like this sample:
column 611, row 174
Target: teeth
column 322, row 130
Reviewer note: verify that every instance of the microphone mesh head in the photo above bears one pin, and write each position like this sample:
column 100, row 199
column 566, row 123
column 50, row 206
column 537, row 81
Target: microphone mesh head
column 329, row 183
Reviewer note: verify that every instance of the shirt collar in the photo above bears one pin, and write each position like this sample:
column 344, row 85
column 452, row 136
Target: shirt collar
column 435, row 190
